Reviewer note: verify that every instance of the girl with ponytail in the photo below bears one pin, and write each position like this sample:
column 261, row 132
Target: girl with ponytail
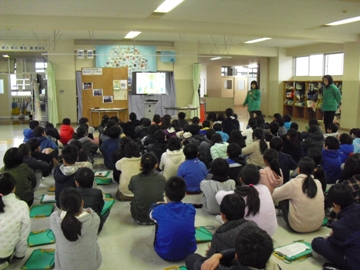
column 75, row 230
column 271, row 176
column 259, row 204
column 15, row 221
column 301, row 200
column 256, row 150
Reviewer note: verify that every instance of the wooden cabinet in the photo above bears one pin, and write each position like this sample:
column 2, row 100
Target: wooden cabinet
column 302, row 99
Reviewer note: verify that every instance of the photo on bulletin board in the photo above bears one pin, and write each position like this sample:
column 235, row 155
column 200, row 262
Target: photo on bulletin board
column 87, row 85
column 97, row 92
column 123, row 84
column 108, row 99
column 116, row 84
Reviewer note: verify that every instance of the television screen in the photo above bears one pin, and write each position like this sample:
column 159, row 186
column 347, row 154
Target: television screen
column 151, row 83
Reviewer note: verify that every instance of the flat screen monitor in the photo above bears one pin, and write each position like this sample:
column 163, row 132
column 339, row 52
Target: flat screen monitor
column 150, row 83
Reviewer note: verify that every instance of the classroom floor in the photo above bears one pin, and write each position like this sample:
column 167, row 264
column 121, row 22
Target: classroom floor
column 126, row 245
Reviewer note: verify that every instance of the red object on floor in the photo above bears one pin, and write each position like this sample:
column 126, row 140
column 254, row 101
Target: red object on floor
column 202, row 112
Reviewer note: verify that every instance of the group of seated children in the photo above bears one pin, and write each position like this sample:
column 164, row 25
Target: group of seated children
column 242, row 176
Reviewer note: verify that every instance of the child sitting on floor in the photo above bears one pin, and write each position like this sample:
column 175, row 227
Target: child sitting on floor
column 15, row 222
column 301, row 200
column 346, row 147
column 148, row 188
column 332, row 129
column 192, row 170
column 331, row 160
column 259, row 204
column 92, row 197
column 342, row 246
column 232, row 211
column 64, row 175
column 253, row 249
column 218, row 129
column 75, row 230
column 219, row 147
column 66, row 131
column 219, row 181
column 271, row 176
column 29, row 132
column 175, row 230
column 236, row 162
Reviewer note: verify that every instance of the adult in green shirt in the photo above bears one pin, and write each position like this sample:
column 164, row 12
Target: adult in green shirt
column 252, row 99
column 331, row 100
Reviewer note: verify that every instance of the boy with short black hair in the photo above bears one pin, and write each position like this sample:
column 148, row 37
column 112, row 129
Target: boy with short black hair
column 174, row 230
column 276, row 116
column 218, row 129
column 230, row 123
column 331, row 160
column 66, row 131
column 287, row 119
column 346, row 147
column 232, row 211
column 45, row 142
column 84, row 122
column 192, row 170
column 253, row 249
column 282, row 130
column 286, row 162
column 236, row 162
column 64, row 175
column 342, row 246
column 205, row 127
column 274, row 129
column 88, row 146
column 332, row 130
column 182, row 120
column 159, row 147
column 92, row 197
column 29, row 132
column 204, row 148
column 33, row 163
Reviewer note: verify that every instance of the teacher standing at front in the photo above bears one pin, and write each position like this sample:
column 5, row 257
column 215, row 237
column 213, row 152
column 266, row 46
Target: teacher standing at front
column 331, row 100
column 252, row 99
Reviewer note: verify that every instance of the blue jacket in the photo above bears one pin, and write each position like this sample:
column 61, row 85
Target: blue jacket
column 332, row 165
column 346, row 234
column 193, row 171
column 356, row 143
column 224, row 136
column 175, row 230
column 287, row 125
column 345, row 150
column 28, row 134
column 45, row 142
column 108, row 148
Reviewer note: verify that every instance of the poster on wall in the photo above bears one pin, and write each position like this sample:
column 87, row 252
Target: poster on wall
column 87, row 85
column 97, row 92
column 120, row 95
column 80, row 54
column 116, row 85
column 123, row 84
column 90, row 54
column 135, row 58
column 108, row 99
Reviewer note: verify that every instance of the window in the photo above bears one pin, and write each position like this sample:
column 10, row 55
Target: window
column 302, row 66
column 40, row 67
column 319, row 64
column 316, row 67
column 334, row 64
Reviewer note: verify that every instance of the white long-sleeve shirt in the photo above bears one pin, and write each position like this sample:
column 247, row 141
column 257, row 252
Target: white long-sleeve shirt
column 14, row 227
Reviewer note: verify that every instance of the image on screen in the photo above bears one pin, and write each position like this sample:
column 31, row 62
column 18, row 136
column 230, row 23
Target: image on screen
column 150, row 83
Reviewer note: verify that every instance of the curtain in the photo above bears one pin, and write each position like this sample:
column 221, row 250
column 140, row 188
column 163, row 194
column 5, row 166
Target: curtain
column 79, row 94
column 52, row 100
column 136, row 102
column 196, row 81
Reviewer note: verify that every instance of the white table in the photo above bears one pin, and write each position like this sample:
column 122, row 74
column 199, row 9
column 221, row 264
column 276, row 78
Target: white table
column 107, row 110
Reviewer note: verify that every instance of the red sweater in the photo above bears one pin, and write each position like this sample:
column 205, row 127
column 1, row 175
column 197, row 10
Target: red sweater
column 66, row 133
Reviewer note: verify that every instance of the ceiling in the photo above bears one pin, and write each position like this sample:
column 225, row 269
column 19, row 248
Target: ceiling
column 289, row 23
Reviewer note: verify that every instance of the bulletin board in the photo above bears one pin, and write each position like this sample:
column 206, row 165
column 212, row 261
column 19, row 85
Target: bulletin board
column 102, row 88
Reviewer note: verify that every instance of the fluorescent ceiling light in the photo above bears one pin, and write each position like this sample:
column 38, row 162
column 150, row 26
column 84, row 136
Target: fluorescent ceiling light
column 215, row 58
column 350, row 20
column 257, row 40
column 6, row 56
column 254, row 65
column 132, row 34
column 167, row 5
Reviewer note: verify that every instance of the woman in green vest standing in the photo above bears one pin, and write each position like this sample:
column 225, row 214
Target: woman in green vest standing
column 331, row 100
column 253, row 99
